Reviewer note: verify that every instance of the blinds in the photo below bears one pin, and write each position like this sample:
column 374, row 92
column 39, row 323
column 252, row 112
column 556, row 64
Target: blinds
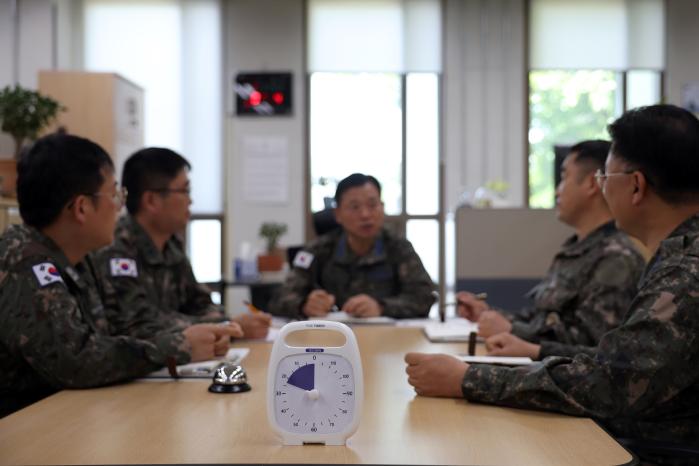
column 374, row 35
column 597, row 34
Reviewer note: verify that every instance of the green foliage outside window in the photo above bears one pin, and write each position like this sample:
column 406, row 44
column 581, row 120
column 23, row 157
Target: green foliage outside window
column 565, row 107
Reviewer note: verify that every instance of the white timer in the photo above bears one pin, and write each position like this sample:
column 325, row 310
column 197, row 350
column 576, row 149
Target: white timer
column 314, row 393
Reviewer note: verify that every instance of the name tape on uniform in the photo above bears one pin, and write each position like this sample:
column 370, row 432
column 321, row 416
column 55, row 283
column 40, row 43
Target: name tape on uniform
column 123, row 267
column 303, row 259
column 46, row 273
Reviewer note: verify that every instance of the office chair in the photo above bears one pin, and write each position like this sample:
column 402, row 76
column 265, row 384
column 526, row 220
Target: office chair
column 324, row 222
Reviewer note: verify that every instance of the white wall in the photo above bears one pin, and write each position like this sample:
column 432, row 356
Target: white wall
column 264, row 35
column 682, row 63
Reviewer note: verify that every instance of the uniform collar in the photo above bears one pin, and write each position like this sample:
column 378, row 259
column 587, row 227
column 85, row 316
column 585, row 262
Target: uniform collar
column 344, row 255
column 676, row 243
column 573, row 247
column 172, row 254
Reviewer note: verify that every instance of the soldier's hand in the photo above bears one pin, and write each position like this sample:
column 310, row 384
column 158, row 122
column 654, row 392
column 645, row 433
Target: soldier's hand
column 318, row 303
column 435, row 374
column 362, row 305
column 224, row 332
column 492, row 323
column 506, row 344
column 469, row 306
column 207, row 341
column 254, row 325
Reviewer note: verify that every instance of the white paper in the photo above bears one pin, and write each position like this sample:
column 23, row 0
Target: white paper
column 265, row 169
column 342, row 316
column 502, row 360
column 203, row 369
column 451, row 330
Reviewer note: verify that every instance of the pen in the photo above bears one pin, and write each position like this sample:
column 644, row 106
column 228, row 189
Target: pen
column 472, row 343
column 478, row 296
column 251, row 307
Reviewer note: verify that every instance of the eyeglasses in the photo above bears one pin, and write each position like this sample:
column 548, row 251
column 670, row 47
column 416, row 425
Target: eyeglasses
column 118, row 198
column 186, row 191
column 601, row 178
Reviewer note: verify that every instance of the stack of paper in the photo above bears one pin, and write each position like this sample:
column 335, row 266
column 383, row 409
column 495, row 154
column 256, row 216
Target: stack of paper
column 455, row 330
column 203, row 369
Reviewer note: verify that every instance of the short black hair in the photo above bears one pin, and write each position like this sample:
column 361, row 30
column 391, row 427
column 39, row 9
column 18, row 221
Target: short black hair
column 591, row 154
column 355, row 180
column 150, row 169
column 53, row 171
column 662, row 141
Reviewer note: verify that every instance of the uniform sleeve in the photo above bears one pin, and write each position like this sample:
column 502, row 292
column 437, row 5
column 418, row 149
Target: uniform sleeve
column 637, row 367
column 289, row 299
column 126, row 302
column 554, row 348
column 46, row 327
column 415, row 296
column 605, row 300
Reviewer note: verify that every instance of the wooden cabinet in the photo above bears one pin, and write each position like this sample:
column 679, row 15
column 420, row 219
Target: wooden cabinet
column 103, row 107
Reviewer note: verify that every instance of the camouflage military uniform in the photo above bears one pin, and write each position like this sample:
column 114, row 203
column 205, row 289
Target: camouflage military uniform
column 643, row 381
column 391, row 273
column 53, row 331
column 585, row 293
column 153, row 287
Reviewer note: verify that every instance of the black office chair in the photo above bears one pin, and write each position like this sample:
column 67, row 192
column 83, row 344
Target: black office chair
column 324, row 221
column 661, row 452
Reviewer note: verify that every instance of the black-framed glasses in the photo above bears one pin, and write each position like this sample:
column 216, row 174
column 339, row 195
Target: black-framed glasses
column 187, row 191
column 601, row 177
column 118, row 198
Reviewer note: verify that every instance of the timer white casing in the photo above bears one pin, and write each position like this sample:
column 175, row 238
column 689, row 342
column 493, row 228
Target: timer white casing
column 349, row 351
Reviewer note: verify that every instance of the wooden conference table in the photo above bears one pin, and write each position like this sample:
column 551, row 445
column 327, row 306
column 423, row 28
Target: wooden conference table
column 157, row 422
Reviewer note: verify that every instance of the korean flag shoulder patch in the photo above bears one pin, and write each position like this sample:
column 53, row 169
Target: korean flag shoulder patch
column 123, row 267
column 303, row 259
column 46, row 273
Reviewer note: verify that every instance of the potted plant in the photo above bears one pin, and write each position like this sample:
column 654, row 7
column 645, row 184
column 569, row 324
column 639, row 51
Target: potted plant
column 23, row 115
column 274, row 258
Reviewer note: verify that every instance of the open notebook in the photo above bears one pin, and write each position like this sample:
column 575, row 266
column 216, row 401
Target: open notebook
column 203, row 369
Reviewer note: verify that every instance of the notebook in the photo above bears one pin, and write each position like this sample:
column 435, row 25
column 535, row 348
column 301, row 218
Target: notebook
column 501, row 360
column 454, row 330
column 202, row 369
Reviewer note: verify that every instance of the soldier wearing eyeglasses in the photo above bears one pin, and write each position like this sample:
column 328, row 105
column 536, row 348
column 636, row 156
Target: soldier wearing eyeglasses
column 642, row 383
column 145, row 275
column 360, row 268
column 54, row 332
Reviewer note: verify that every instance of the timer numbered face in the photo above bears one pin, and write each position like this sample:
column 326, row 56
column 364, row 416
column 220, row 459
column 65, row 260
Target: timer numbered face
column 314, row 393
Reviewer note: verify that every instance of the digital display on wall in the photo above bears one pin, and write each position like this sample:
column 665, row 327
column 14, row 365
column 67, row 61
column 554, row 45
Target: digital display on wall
column 263, row 94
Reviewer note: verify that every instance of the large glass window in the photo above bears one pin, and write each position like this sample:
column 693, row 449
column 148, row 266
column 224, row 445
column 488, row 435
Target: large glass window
column 356, row 126
column 581, row 81
column 565, row 107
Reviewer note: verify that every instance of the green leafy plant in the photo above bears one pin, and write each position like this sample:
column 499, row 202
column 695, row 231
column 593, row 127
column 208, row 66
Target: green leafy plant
column 24, row 113
column 271, row 232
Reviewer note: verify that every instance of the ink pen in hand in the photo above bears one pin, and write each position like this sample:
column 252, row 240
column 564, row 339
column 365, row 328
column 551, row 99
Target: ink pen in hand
column 334, row 308
column 251, row 307
column 478, row 296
